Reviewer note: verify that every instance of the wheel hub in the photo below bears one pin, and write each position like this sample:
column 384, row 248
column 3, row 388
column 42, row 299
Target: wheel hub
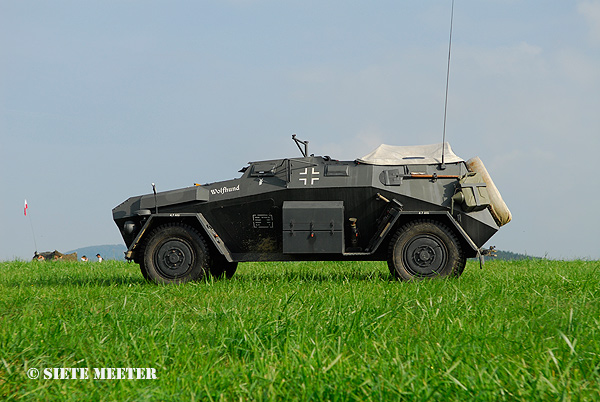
column 425, row 256
column 174, row 258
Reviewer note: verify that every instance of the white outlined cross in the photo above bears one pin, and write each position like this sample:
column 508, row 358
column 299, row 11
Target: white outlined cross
column 309, row 175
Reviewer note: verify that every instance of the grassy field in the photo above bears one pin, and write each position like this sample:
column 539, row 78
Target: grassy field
column 522, row 330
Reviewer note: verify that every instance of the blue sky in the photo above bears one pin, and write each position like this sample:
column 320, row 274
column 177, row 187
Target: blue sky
column 99, row 99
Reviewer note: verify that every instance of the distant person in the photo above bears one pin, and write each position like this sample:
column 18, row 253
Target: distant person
column 84, row 259
column 100, row 259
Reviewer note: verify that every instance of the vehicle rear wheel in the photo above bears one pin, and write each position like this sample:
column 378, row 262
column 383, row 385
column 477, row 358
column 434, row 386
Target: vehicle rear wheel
column 425, row 249
column 175, row 253
column 220, row 267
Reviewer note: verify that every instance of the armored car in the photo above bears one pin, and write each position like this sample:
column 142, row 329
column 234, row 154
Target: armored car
column 422, row 209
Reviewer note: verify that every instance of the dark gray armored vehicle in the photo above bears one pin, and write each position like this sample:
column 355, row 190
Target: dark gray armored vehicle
column 422, row 209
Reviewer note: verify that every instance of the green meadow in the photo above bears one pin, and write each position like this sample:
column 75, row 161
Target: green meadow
column 338, row 331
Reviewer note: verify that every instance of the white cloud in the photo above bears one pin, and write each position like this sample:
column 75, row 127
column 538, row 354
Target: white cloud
column 591, row 11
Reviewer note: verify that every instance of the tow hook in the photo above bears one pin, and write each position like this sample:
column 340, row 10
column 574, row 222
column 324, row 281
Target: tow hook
column 482, row 252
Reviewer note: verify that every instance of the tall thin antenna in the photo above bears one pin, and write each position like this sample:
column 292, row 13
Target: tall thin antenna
column 443, row 166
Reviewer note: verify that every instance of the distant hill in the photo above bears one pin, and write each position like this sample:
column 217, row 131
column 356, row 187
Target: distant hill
column 108, row 252
column 507, row 255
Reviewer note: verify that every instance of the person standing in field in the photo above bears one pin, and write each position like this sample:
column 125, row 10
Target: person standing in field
column 84, row 259
column 99, row 257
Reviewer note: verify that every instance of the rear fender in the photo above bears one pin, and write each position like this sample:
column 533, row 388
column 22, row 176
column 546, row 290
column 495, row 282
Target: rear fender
column 471, row 249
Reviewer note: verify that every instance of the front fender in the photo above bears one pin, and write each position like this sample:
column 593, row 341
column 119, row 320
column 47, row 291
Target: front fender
column 196, row 220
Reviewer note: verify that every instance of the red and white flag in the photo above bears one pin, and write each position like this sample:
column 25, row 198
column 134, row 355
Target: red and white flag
column 25, row 208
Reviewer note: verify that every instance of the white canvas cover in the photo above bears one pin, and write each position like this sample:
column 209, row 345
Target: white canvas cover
column 410, row 155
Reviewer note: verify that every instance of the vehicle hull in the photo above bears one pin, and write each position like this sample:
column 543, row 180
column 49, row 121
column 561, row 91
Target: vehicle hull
column 347, row 205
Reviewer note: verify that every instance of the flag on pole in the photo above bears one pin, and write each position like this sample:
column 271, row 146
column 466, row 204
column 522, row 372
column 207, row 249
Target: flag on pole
column 25, row 208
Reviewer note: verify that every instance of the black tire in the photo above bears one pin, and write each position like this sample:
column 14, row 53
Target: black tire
column 138, row 258
column 175, row 253
column 425, row 249
column 144, row 272
column 220, row 267
column 140, row 262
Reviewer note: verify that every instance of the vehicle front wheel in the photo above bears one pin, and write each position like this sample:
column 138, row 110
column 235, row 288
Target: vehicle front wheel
column 175, row 253
column 220, row 267
column 425, row 249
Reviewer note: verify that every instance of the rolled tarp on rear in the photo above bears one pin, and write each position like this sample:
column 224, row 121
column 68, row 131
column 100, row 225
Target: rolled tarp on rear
column 498, row 207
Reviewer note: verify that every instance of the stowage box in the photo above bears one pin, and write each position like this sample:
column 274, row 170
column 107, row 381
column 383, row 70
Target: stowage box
column 475, row 192
column 313, row 227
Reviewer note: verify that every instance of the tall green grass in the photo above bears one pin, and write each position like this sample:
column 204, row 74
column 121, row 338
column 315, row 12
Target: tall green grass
column 522, row 330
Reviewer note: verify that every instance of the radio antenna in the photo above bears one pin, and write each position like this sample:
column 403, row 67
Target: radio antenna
column 155, row 203
column 443, row 165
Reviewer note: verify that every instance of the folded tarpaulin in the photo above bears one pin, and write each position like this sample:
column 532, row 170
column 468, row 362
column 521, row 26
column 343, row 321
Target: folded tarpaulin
column 410, row 155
